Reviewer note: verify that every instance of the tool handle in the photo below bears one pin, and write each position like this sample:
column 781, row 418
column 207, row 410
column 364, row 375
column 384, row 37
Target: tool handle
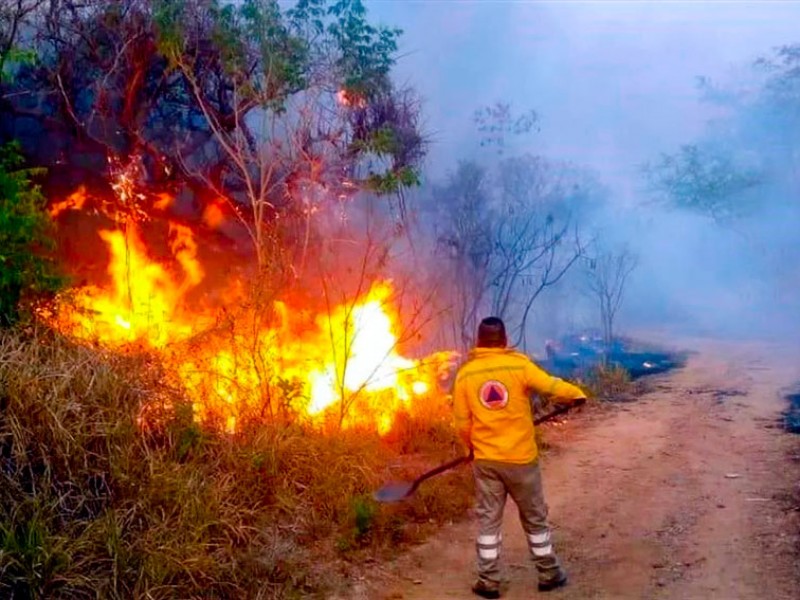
column 465, row 459
column 440, row 469
column 559, row 411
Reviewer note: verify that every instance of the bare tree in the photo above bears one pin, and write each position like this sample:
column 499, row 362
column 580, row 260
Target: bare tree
column 496, row 123
column 607, row 274
column 352, row 255
column 508, row 235
column 537, row 239
column 463, row 233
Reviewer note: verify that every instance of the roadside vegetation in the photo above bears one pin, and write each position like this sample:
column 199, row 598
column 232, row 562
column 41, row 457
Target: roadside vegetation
column 93, row 503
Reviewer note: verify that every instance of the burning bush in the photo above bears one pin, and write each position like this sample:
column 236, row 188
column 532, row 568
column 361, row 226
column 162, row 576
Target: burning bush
column 93, row 504
column 338, row 368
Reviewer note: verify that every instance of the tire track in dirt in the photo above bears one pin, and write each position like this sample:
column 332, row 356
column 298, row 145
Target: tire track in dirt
column 683, row 494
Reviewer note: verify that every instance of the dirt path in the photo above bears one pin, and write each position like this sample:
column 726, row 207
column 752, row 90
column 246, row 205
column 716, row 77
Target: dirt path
column 690, row 492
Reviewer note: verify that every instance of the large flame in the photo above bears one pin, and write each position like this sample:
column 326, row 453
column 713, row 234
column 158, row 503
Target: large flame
column 342, row 368
column 140, row 303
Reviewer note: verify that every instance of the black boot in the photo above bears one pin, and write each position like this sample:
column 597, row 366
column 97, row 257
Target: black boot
column 486, row 590
column 547, row 585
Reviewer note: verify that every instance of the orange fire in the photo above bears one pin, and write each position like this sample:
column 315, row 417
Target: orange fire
column 350, row 99
column 342, row 369
column 75, row 201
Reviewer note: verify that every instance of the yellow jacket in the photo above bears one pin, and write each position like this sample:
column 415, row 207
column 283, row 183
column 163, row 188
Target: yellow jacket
column 492, row 403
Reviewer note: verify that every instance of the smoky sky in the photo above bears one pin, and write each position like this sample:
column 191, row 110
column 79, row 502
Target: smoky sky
column 615, row 85
column 613, row 82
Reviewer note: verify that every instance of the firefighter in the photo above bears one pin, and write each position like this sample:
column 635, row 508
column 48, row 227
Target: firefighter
column 494, row 418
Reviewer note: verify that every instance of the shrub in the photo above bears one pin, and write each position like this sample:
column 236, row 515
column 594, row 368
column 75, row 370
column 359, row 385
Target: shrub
column 24, row 234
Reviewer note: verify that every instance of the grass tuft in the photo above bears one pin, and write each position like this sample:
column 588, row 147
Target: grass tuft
column 610, row 383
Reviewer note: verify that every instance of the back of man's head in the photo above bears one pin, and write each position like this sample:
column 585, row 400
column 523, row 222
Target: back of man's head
column 491, row 333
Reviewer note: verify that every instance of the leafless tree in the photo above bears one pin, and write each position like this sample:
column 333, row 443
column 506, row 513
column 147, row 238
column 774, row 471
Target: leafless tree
column 537, row 239
column 607, row 275
column 497, row 123
column 463, row 233
column 354, row 254
column 509, row 236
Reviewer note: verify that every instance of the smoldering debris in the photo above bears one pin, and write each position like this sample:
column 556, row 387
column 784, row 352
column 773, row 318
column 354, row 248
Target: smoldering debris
column 791, row 416
column 575, row 355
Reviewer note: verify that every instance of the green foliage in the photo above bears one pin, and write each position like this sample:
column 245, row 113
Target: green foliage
column 391, row 181
column 702, row 180
column 270, row 54
column 35, row 558
column 366, row 53
column 380, row 141
column 24, row 235
column 302, row 84
column 13, row 59
column 364, row 511
column 188, row 435
column 167, row 18
column 239, row 56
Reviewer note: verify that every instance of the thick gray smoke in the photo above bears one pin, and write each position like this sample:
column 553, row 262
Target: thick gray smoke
column 615, row 86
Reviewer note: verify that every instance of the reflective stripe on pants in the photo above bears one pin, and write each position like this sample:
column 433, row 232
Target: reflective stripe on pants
column 494, row 481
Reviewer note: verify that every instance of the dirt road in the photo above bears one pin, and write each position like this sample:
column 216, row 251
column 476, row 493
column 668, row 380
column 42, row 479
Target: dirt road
column 690, row 492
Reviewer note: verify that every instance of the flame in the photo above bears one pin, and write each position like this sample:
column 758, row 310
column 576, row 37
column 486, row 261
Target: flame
column 163, row 201
column 350, row 99
column 213, row 215
column 75, row 201
column 184, row 249
column 141, row 303
column 341, row 366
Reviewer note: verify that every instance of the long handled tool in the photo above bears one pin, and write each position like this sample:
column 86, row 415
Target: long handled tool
column 400, row 490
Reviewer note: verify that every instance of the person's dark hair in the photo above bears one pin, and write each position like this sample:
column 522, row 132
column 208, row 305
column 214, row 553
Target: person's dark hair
column 492, row 333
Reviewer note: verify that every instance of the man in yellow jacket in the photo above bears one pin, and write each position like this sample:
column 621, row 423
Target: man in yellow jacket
column 493, row 415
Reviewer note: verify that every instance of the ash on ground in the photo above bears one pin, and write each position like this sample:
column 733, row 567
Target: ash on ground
column 576, row 355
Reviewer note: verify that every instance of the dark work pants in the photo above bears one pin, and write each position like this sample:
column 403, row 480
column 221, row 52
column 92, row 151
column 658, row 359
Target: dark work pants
column 494, row 481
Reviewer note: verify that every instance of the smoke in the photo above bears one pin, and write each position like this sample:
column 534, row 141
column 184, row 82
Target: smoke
column 615, row 86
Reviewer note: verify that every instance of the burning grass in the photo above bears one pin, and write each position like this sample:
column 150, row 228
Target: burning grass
column 110, row 488
column 238, row 359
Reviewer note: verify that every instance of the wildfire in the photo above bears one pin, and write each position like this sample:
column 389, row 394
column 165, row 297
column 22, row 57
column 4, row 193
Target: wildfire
column 342, row 367
column 350, row 99
column 140, row 305
column 75, row 201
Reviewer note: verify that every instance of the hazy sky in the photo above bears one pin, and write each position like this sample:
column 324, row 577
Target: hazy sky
column 615, row 85
column 612, row 81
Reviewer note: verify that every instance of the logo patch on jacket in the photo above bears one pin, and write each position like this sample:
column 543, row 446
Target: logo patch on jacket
column 493, row 395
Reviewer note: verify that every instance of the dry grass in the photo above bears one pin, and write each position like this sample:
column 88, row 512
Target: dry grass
column 610, row 383
column 92, row 505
